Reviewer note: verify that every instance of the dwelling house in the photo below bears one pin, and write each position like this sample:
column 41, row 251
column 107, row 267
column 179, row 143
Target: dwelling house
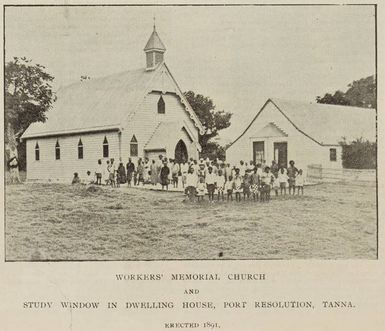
column 136, row 114
column 308, row 133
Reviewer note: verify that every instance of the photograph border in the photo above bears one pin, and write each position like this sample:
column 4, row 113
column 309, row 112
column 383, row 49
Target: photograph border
column 375, row 5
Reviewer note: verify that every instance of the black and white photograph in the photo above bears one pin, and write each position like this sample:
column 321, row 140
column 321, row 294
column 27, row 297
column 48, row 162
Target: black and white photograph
column 165, row 132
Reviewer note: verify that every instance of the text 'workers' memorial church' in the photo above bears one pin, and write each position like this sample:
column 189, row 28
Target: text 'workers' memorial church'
column 137, row 114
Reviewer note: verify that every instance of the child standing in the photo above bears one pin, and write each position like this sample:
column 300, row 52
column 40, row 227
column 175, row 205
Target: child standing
column 201, row 186
column 283, row 178
column 246, row 186
column 237, row 185
column 220, row 184
column 254, row 180
column 191, row 183
column 210, row 182
column 175, row 173
column 299, row 181
column 98, row 173
column 106, row 173
column 266, row 181
column 229, row 187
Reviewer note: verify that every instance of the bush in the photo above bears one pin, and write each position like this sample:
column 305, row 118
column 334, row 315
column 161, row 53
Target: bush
column 359, row 154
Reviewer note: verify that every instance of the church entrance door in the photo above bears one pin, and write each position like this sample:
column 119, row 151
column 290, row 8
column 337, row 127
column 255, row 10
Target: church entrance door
column 181, row 152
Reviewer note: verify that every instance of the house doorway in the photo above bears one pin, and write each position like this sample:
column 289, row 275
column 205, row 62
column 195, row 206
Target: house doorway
column 181, row 152
column 258, row 151
column 280, row 154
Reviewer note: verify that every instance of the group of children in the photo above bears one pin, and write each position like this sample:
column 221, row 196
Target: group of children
column 244, row 180
column 255, row 181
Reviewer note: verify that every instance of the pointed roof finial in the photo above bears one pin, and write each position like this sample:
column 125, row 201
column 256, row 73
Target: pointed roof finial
column 154, row 43
column 154, row 22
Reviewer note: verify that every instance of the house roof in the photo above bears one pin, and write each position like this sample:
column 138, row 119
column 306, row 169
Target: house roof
column 99, row 104
column 325, row 124
column 154, row 43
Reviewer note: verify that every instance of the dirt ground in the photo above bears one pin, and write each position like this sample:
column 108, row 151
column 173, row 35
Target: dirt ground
column 63, row 222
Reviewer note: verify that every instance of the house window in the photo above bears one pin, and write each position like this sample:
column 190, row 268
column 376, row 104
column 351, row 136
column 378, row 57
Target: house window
column 57, row 150
column 134, row 146
column 161, row 106
column 333, row 154
column 37, row 152
column 80, row 149
column 105, row 147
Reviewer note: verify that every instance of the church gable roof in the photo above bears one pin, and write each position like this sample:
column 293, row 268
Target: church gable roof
column 325, row 124
column 100, row 104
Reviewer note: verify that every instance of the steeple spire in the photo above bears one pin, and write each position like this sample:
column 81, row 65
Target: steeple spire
column 154, row 50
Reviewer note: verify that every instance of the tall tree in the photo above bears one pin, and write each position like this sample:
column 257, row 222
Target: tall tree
column 213, row 120
column 28, row 96
column 360, row 93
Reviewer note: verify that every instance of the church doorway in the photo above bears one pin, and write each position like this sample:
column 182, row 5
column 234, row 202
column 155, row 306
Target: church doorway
column 181, row 152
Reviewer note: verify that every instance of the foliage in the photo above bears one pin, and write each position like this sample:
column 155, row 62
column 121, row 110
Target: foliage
column 213, row 121
column 360, row 93
column 28, row 96
column 359, row 154
column 213, row 151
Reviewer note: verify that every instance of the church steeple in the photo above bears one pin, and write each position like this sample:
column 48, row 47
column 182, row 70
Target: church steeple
column 154, row 50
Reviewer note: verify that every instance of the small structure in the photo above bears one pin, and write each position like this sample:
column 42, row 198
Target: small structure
column 308, row 133
column 136, row 114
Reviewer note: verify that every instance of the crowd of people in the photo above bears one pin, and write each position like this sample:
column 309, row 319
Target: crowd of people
column 220, row 180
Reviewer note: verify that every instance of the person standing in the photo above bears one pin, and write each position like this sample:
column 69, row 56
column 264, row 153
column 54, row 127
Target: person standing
column 292, row 173
column 154, row 173
column 130, row 171
column 184, row 170
column 274, row 168
column 164, row 173
column 99, row 172
column 210, row 183
column 139, row 173
column 175, row 173
column 121, row 173
column 13, row 164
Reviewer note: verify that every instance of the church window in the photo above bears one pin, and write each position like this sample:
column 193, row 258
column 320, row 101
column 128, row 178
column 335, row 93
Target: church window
column 161, row 106
column 80, row 149
column 105, row 147
column 57, row 150
column 134, row 146
column 37, row 152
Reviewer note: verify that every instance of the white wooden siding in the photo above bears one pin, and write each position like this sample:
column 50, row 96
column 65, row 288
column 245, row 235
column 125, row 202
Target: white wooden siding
column 48, row 168
column 301, row 149
column 144, row 122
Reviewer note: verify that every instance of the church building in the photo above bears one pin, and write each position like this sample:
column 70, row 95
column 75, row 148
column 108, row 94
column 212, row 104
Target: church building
column 133, row 114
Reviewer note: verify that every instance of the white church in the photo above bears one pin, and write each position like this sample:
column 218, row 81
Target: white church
column 133, row 114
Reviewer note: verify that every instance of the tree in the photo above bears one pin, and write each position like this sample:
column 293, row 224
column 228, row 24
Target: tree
column 360, row 93
column 359, row 154
column 28, row 96
column 212, row 120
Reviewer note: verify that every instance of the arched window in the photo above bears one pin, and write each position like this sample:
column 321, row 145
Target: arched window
column 161, row 106
column 80, row 149
column 105, row 147
column 134, row 146
column 37, row 152
column 57, row 150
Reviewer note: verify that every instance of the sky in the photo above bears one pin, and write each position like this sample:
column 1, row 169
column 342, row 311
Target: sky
column 238, row 56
